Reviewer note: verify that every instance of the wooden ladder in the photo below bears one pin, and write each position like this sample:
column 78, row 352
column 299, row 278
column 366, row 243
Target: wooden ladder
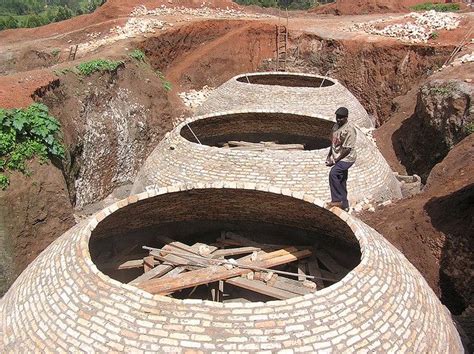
column 281, row 47
column 72, row 52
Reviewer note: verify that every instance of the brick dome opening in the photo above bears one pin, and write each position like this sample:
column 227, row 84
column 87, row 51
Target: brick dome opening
column 290, row 80
column 310, row 133
column 225, row 220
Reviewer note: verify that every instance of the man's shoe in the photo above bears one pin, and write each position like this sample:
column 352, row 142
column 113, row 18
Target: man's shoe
column 333, row 204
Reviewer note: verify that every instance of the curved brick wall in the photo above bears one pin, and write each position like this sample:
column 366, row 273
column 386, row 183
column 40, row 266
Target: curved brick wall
column 61, row 302
column 235, row 95
column 178, row 160
column 261, row 126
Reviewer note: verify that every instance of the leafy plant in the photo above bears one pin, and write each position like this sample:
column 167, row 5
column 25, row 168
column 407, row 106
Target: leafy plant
column 55, row 52
column 139, row 55
column 24, row 134
column 165, row 83
column 89, row 67
column 444, row 90
column 427, row 6
column 434, row 35
column 470, row 128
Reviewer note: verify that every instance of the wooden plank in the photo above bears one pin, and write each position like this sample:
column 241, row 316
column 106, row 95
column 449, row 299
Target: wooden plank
column 155, row 272
column 148, row 263
column 260, row 287
column 194, row 249
column 174, row 272
column 329, row 262
column 234, row 251
column 216, row 273
column 314, row 270
column 301, row 271
column 290, row 285
column 238, row 240
column 133, row 261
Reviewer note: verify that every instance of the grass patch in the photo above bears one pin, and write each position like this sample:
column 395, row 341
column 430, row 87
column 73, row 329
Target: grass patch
column 139, row 55
column 427, row 6
column 25, row 134
column 165, row 83
column 98, row 65
column 444, row 90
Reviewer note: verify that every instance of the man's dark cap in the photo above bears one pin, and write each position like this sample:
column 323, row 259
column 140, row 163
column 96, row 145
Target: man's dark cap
column 342, row 111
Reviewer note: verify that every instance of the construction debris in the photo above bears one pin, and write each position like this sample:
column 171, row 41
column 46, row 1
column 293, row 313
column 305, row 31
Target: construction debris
column 202, row 11
column 275, row 271
column 414, row 27
column 194, row 98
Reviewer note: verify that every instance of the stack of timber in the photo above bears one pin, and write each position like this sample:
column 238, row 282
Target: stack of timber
column 275, row 271
column 261, row 146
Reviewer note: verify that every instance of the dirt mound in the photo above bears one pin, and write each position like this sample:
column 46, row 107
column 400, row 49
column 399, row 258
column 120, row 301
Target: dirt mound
column 441, row 120
column 433, row 229
column 363, row 7
column 210, row 52
column 110, row 13
column 35, row 210
column 17, row 90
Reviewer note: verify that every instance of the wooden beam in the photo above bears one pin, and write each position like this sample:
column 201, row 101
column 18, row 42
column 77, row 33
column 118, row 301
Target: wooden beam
column 329, row 262
column 234, row 251
column 155, row 272
column 148, row 263
column 314, row 270
column 301, row 271
column 260, row 287
column 293, row 286
column 216, row 273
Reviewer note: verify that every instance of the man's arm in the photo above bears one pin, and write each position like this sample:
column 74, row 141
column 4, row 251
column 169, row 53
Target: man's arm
column 344, row 153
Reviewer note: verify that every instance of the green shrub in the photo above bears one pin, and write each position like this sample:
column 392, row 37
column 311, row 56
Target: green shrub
column 92, row 66
column 470, row 128
column 24, row 134
column 137, row 54
column 165, row 83
column 427, row 6
column 434, row 35
column 55, row 52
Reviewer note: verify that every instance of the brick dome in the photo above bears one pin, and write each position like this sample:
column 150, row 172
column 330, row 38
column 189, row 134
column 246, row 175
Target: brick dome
column 62, row 302
column 298, row 93
column 179, row 158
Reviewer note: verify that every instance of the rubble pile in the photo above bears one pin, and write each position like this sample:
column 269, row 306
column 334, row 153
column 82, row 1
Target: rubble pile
column 416, row 27
column 132, row 28
column 135, row 26
column 467, row 58
column 194, row 98
column 202, row 11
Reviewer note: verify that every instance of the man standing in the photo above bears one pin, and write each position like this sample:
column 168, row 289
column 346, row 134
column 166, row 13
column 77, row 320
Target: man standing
column 341, row 157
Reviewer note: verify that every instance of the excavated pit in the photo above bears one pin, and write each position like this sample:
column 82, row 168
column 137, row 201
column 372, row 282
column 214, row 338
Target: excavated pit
column 202, row 216
column 286, row 80
column 255, row 127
